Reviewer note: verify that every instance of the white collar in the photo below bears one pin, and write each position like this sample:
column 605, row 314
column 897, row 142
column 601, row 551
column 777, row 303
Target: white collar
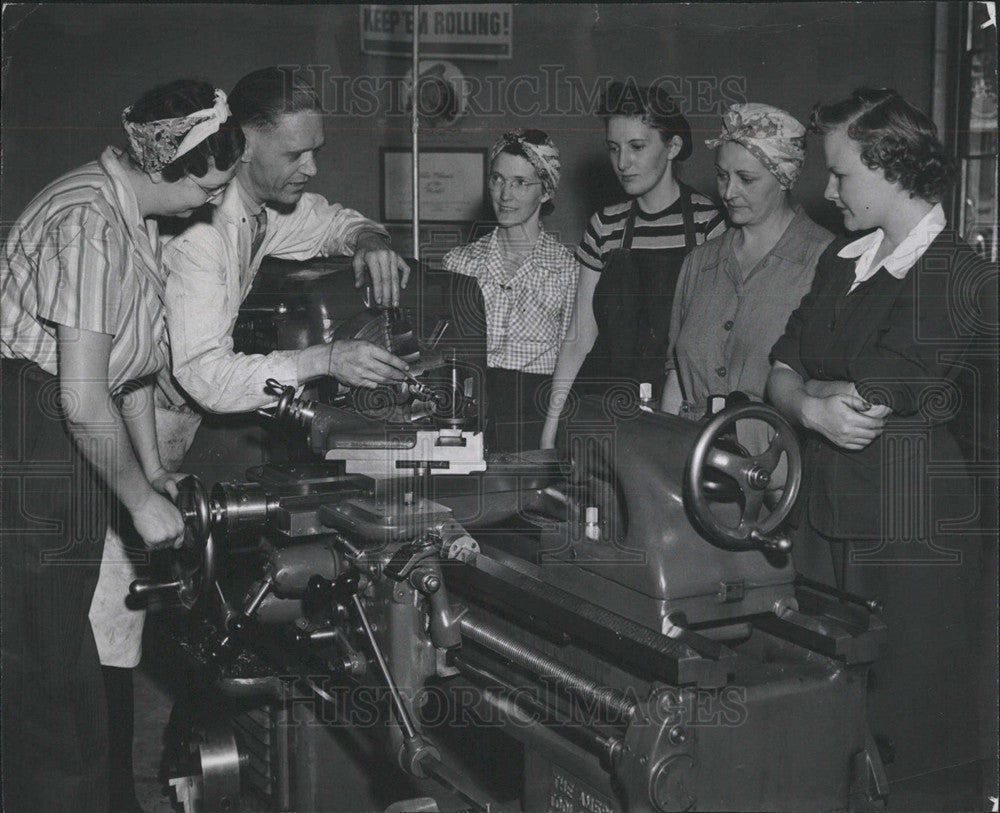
column 252, row 207
column 906, row 254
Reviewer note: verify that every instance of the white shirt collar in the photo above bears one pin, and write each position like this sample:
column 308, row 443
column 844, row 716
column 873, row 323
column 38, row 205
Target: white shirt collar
column 906, row 254
column 252, row 207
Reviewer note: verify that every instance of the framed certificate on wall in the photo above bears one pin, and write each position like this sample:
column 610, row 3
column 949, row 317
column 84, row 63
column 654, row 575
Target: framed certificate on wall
column 452, row 184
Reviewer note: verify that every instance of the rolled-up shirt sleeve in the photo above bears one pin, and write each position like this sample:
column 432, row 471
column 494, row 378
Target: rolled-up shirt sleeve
column 317, row 228
column 201, row 311
column 78, row 281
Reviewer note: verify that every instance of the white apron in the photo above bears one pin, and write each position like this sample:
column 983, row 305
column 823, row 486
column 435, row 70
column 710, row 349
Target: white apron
column 118, row 629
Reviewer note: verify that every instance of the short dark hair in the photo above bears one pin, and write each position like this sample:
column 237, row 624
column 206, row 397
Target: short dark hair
column 893, row 136
column 261, row 97
column 182, row 98
column 653, row 105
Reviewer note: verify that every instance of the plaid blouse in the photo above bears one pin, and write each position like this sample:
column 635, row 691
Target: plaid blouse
column 527, row 313
column 81, row 256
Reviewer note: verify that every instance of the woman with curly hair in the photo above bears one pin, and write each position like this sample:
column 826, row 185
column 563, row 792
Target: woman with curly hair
column 868, row 366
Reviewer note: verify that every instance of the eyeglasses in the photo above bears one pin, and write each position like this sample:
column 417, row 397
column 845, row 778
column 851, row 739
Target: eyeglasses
column 210, row 191
column 516, row 185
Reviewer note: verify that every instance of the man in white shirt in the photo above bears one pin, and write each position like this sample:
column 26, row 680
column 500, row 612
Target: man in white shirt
column 212, row 265
column 266, row 212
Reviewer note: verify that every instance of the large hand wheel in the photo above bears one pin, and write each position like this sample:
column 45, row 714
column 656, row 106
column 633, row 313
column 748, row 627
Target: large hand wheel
column 193, row 565
column 753, row 475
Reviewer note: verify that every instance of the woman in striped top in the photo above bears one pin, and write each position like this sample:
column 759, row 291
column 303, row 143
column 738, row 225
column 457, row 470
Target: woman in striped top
column 631, row 253
column 81, row 287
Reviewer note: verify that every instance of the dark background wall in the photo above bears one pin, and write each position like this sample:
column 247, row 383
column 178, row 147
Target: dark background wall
column 69, row 70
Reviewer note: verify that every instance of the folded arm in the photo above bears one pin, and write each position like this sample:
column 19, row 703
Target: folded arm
column 841, row 415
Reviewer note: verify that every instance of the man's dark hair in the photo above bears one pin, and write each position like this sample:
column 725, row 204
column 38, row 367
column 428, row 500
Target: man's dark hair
column 262, row 97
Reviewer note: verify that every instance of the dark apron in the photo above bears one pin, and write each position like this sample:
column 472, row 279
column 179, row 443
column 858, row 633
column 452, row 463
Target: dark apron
column 632, row 304
column 516, row 409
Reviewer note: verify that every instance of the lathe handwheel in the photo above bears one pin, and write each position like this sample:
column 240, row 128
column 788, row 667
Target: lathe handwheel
column 192, row 502
column 192, row 566
column 195, row 563
column 753, row 475
column 285, row 396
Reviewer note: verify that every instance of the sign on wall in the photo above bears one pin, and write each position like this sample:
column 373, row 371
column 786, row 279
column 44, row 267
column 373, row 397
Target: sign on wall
column 462, row 31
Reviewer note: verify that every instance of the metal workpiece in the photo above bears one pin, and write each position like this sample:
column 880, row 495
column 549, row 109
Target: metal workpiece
column 241, row 508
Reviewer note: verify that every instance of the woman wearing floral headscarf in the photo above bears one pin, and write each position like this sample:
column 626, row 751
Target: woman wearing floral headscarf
column 81, row 337
column 528, row 281
column 735, row 292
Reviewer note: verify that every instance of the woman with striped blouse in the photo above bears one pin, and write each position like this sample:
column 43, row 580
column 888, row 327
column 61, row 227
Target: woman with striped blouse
column 631, row 254
column 81, row 287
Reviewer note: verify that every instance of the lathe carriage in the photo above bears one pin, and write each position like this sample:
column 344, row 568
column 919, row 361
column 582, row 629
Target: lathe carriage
column 617, row 626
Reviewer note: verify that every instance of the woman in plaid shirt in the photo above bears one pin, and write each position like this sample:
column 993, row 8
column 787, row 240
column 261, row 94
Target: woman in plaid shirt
column 528, row 281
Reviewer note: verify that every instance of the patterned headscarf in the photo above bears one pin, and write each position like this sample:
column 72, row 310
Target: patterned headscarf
column 154, row 144
column 543, row 157
column 772, row 136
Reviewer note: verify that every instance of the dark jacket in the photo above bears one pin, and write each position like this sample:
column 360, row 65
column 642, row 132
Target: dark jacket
column 904, row 343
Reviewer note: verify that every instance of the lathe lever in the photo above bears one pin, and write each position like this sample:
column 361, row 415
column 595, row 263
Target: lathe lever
column 142, row 588
column 419, row 564
column 414, row 749
column 237, row 624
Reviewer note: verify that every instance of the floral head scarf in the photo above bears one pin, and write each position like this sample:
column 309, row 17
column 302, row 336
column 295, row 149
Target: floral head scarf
column 772, row 136
column 543, row 157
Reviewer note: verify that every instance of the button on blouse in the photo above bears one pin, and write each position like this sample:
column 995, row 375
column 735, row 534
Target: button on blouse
column 724, row 322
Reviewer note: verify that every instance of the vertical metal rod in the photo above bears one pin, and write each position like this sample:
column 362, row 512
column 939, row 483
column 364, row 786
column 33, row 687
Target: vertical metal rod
column 415, row 132
column 406, row 723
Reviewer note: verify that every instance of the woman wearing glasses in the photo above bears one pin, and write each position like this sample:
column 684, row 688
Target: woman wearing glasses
column 528, row 282
column 81, row 298
column 631, row 253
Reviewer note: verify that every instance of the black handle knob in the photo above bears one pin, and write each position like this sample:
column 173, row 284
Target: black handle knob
column 142, row 588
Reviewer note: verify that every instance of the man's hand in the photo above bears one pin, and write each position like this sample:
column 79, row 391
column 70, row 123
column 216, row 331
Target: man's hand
column 384, row 267
column 362, row 364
